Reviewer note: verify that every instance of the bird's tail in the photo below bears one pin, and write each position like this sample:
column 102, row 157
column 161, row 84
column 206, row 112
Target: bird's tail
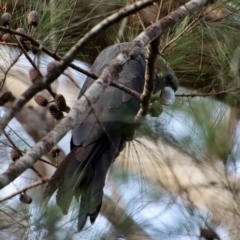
column 82, row 174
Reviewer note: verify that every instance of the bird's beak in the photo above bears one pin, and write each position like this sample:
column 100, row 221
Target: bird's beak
column 167, row 96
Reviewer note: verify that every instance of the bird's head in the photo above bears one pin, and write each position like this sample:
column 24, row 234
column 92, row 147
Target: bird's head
column 166, row 82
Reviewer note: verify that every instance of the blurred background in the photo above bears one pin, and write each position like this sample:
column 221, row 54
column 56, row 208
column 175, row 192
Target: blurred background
column 179, row 177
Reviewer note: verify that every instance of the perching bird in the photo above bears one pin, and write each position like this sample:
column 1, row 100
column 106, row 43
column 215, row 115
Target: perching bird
column 97, row 141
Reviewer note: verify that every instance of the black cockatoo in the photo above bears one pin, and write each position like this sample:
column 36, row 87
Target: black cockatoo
column 97, row 141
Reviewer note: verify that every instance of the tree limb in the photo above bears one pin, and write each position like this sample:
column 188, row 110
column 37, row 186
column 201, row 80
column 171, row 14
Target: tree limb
column 33, row 185
column 44, row 82
column 82, row 106
column 149, row 76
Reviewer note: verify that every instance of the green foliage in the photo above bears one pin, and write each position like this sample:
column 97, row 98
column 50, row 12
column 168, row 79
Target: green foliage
column 201, row 54
column 201, row 57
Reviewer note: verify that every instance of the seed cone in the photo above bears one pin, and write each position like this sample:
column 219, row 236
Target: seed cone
column 55, row 112
column 55, row 152
column 6, row 97
column 6, row 19
column 24, row 198
column 41, row 100
column 15, row 154
column 33, row 74
column 6, row 37
column 27, row 45
column 50, row 66
column 35, row 49
column 208, row 234
column 33, row 18
column 20, row 30
column 61, row 103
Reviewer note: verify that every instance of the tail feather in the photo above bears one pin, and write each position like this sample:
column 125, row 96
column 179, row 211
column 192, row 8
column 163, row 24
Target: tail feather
column 64, row 198
column 57, row 179
column 68, row 187
column 83, row 173
column 65, row 178
column 83, row 210
column 91, row 197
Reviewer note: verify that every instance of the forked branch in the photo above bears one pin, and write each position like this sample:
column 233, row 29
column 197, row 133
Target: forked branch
column 81, row 108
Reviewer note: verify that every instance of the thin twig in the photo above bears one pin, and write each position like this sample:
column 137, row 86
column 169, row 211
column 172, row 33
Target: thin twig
column 40, row 159
column 21, row 138
column 185, row 30
column 15, row 6
column 81, row 109
column 68, row 23
column 33, row 185
column 140, row 19
column 21, row 153
column 77, row 25
column 7, row 71
column 68, row 58
column 18, row 222
column 27, row 56
column 8, row 43
column 73, row 66
column 159, row 10
column 149, row 78
column 34, row 66
column 192, row 95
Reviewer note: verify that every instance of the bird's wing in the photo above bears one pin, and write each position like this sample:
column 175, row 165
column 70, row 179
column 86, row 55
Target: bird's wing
column 114, row 105
column 96, row 141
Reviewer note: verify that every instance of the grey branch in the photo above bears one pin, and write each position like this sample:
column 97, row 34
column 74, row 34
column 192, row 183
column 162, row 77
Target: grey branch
column 149, row 76
column 44, row 82
column 33, row 185
column 81, row 108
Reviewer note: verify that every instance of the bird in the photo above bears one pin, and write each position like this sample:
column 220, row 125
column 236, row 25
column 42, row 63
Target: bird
column 98, row 140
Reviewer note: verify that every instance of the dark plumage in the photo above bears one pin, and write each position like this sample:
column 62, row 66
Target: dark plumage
column 97, row 141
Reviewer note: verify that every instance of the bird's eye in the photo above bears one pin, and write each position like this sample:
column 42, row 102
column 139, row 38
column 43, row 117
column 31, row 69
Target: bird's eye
column 168, row 77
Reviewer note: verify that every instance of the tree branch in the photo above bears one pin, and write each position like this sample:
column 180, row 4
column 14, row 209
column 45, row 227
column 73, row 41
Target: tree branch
column 82, row 106
column 59, row 58
column 44, row 82
column 149, row 76
column 234, row 90
column 33, row 185
column 110, row 210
